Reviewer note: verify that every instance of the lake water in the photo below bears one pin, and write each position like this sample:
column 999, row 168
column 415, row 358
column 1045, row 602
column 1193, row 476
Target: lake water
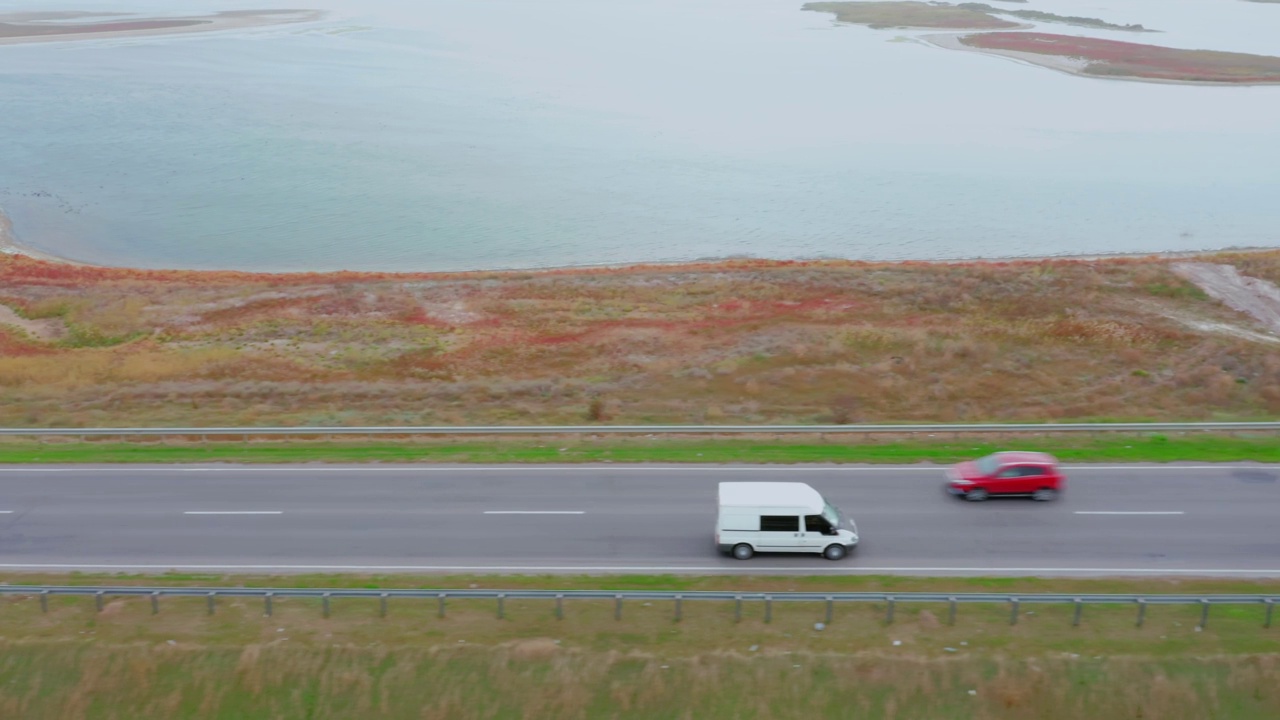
column 468, row 134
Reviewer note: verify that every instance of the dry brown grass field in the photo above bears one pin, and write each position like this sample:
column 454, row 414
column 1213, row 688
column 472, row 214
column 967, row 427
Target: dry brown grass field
column 732, row 342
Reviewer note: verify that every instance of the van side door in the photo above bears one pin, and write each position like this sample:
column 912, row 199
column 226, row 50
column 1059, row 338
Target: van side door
column 780, row 533
column 818, row 533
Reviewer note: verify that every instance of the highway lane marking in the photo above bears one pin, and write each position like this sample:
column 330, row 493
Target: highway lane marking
column 534, row 512
column 233, row 512
column 735, row 568
column 1130, row 512
column 6, row 512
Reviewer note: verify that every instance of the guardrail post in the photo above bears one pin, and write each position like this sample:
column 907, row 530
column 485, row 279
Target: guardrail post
column 1204, row 614
column 212, row 595
column 44, row 601
column 382, row 605
column 559, row 606
column 324, row 601
column 97, row 600
column 502, row 597
column 830, row 608
column 440, row 606
column 768, row 608
column 1013, row 611
column 951, row 611
column 888, row 613
column 1142, row 611
column 1075, row 621
column 679, row 602
column 266, row 604
column 737, row 608
column 617, row 607
column 1271, row 606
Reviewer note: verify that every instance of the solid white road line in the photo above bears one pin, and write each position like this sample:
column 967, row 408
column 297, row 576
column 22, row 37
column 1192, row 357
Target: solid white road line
column 6, row 512
column 1130, row 512
column 534, row 512
column 739, row 568
column 233, row 512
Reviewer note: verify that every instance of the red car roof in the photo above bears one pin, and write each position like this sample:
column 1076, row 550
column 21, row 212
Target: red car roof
column 1027, row 457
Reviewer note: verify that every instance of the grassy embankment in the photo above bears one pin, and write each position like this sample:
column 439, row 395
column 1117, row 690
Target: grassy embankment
column 735, row 342
column 1068, row 448
column 126, row 663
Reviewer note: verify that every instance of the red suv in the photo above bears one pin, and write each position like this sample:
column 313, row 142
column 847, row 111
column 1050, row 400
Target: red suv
column 1029, row 474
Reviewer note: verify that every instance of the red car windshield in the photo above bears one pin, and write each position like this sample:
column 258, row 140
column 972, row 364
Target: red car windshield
column 988, row 465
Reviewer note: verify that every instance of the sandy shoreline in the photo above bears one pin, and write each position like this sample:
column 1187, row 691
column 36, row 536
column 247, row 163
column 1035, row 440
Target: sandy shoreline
column 26, row 28
column 10, row 245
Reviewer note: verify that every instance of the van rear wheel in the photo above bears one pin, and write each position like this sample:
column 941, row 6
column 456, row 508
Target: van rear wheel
column 834, row 552
column 743, row 551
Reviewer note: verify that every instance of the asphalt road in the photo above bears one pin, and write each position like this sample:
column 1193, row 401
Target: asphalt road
column 1112, row 520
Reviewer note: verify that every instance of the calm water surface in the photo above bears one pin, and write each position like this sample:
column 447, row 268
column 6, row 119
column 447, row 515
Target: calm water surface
column 444, row 135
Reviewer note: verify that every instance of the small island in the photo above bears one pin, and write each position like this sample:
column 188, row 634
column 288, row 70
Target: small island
column 1089, row 57
column 909, row 13
column 964, row 16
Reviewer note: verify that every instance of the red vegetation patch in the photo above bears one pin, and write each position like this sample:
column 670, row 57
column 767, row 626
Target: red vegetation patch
column 1126, row 59
column 14, row 346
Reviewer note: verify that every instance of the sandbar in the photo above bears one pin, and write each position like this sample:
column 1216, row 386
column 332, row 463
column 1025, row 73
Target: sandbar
column 63, row 26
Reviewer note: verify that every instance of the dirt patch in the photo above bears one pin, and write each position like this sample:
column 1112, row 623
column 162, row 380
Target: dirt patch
column 533, row 649
column 45, row 330
column 115, row 607
column 1257, row 298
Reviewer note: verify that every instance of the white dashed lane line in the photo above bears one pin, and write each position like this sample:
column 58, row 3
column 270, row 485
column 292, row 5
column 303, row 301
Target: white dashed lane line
column 1130, row 512
column 535, row 512
column 233, row 512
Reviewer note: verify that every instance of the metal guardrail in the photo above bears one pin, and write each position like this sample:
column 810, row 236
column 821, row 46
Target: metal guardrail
column 655, row 429
column 890, row 600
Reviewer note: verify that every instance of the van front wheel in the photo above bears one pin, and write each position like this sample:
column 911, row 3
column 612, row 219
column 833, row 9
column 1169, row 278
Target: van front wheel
column 834, row 552
column 743, row 551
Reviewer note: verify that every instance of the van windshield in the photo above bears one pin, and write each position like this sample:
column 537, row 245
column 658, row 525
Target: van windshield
column 831, row 513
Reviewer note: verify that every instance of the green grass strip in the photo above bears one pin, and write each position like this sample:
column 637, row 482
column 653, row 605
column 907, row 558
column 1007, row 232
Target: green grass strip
column 1108, row 448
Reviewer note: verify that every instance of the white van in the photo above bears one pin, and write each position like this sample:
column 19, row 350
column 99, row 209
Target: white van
column 781, row 517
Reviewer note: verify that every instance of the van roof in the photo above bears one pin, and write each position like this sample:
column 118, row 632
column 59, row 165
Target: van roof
column 774, row 494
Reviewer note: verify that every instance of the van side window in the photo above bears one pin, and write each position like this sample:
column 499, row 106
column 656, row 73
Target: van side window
column 779, row 523
column 816, row 523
